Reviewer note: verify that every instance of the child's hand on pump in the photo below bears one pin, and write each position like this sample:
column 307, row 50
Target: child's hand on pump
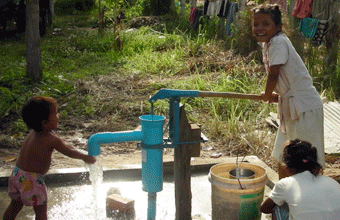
column 273, row 97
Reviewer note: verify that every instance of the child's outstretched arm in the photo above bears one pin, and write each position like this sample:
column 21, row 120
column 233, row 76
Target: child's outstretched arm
column 272, row 79
column 72, row 152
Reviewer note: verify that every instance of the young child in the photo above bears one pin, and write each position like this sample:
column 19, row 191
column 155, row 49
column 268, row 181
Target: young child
column 309, row 196
column 26, row 185
column 300, row 108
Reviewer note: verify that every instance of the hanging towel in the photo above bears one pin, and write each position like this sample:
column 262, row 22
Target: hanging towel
column 231, row 18
column 192, row 12
column 220, row 8
column 320, row 32
column 205, row 7
column 302, row 9
column 211, row 8
column 197, row 19
column 226, row 8
column 308, row 27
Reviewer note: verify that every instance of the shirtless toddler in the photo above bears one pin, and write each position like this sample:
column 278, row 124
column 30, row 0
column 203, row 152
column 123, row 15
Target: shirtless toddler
column 26, row 184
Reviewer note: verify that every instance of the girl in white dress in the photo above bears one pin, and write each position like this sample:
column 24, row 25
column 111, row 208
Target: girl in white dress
column 300, row 108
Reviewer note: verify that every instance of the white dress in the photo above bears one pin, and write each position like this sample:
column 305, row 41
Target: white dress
column 308, row 197
column 300, row 108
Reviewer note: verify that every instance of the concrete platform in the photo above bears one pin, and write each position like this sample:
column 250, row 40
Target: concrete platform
column 133, row 172
column 74, row 175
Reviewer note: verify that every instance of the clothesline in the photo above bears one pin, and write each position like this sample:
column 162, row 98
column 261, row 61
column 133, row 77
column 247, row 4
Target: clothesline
column 308, row 11
column 221, row 8
column 316, row 18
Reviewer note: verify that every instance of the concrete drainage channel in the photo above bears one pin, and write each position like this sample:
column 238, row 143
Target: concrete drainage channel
column 71, row 193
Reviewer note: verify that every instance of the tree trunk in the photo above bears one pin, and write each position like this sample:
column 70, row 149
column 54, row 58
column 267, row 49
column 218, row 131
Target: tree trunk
column 182, row 172
column 32, row 41
column 296, row 36
column 182, row 9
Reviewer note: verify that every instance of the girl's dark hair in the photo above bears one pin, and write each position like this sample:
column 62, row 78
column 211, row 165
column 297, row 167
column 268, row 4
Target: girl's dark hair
column 272, row 9
column 37, row 109
column 301, row 156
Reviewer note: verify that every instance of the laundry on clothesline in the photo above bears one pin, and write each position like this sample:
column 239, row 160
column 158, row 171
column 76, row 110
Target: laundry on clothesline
column 211, row 11
column 314, row 29
column 231, row 18
column 197, row 13
column 217, row 7
column 315, row 18
column 222, row 8
column 308, row 27
column 192, row 12
column 320, row 32
column 302, row 9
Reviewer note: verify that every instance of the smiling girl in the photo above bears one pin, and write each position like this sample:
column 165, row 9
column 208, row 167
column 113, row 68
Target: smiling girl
column 300, row 108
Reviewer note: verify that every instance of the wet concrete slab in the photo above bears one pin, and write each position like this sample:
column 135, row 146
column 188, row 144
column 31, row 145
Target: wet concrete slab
column 70, row 191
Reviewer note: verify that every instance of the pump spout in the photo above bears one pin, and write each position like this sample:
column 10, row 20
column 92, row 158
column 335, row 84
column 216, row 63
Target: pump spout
column 151, row 137
column 111, row 137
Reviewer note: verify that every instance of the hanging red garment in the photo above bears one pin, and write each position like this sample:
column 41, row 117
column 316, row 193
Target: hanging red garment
column 192, row 13
column 302, row 9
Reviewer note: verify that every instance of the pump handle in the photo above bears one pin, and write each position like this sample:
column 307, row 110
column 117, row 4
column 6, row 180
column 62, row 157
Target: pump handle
column 230, row 95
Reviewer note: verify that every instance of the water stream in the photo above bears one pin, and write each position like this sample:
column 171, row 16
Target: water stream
column 152, row 109
column 96, row 178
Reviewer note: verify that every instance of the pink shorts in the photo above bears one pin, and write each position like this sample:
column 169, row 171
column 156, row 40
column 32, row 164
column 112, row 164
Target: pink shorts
column 27, row 187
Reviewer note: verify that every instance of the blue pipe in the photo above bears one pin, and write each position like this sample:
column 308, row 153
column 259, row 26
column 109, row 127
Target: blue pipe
column 110, row 137
column 151, row 136
column 171, row 93
column 151, row 206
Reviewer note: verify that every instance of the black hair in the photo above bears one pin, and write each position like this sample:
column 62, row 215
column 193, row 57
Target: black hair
column 301, row 156
column 36, row 110
column 271, row 9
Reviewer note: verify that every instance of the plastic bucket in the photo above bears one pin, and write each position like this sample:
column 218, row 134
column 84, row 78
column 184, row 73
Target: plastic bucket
column 236, row 199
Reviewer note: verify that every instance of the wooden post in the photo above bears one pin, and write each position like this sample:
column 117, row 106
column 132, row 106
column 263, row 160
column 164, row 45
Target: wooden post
column 195, row 148
column 33, row 41
column 182, row 172
column 100, row 18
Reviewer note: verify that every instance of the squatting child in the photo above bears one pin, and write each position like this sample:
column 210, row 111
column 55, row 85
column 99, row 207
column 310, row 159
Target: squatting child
column 26, row 184
column 309, row 195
